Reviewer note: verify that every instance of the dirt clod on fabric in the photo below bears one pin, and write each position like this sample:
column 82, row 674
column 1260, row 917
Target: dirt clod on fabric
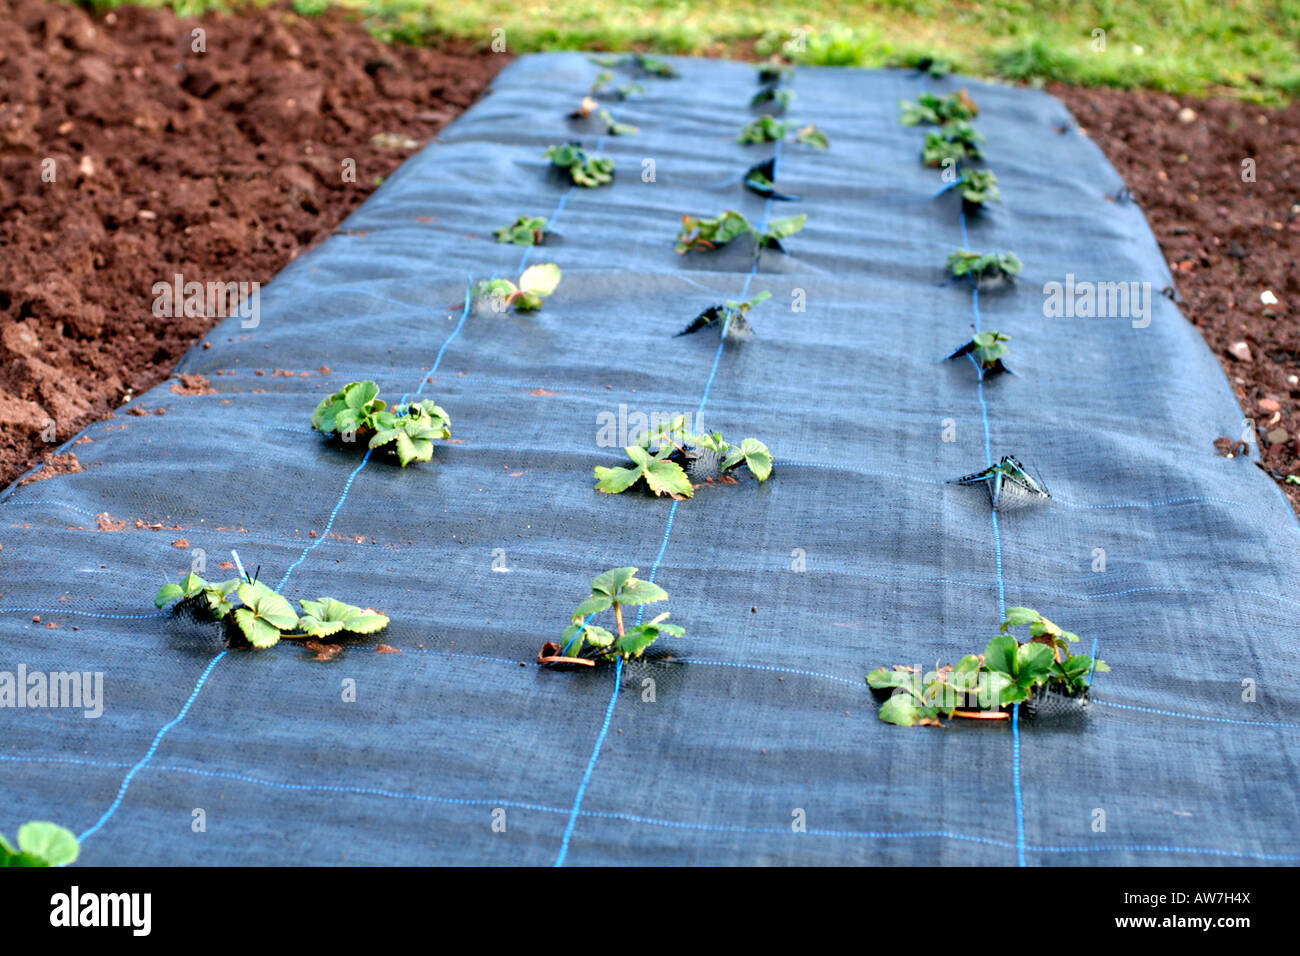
column 53, row 464
column 192, row 385
column 219, row 166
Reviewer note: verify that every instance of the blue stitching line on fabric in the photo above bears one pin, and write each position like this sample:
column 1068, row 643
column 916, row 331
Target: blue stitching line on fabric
column 126, row 781
column 654, row 821
column 997, row 550
column 663, row 547
column 153, row 747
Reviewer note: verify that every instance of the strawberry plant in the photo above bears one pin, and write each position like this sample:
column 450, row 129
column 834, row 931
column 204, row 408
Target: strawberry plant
column 612, row 590
column 810, row 135
column 775, row 72
column 765, row 129
column 773, row 95
column 696, row 234
column 613, row 127
column 524, row 231
column 957, row 141
column 669, row 457
column 759, row 179
column 933, row 66
column 934, row 110
column 983, row 266
column 1007, row 483
column 535, row 284
column 583, row 170
column 769, row 129
column 978, row 186
column 987, row 349
column 263, row 617
column 196, row 598
column 640, row 63
column 409, row 428
column 730, row 316
column 986, row 685
column 327, row 617
column 40, row 844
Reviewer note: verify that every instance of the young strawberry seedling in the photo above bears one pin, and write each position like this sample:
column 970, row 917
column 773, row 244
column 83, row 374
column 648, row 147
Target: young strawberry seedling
column 583, row 170
column 773, row 95
column 639, row 63
column 196, row 598
column 589, row 107
column 40, row 844
column 957, row 141
column 935, row 67
column 775, row 72
column 982, row 267
column 1039, row 673
column 614, row 128
column 524, row 231
column 730, row 317
column 669, row 458
column 931, row 109
column 987, row 350
column 264, row 617
column 535, row 284
column 357, row 411
column 769, row 129
column 584, row 642
column 978, row 186
column 698, row 234
column 1008, row 483
column 759, row 179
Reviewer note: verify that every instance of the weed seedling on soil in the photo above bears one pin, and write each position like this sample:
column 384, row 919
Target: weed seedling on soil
column 983, row 266
column 698, row 234
column 524, row 231
column 535, row 284
column 769, row 129
column 759, row 179
column 39, row 844
column 958, row 141
column 668, row 458
column 1008, row 483
column 1040, row 673
column 931, row 109
column 584, row 642
column 583, row 170
column 987, row 349
column 731, row 316
column 978, row 186
column 356, row 410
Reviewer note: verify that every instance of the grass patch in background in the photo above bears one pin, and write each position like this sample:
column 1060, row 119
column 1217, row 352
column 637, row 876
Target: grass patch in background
column 1246, row 48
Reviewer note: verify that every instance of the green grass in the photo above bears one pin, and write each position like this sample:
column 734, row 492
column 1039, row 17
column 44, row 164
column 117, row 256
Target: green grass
column 1245, row 48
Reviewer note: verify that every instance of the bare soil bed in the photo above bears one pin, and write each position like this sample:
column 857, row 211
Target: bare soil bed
column 220, row 165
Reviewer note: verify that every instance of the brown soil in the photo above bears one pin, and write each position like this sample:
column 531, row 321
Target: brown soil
column 221, row 166
column 225, row 165
column 1227, row 241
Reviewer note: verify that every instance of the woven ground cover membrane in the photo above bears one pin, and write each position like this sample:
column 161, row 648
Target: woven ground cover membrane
column 761, row 717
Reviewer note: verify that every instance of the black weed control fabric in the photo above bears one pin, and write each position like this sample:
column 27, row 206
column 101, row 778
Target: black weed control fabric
column 753, row 739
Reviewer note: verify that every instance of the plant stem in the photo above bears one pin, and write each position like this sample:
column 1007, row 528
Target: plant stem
column 618, row 617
